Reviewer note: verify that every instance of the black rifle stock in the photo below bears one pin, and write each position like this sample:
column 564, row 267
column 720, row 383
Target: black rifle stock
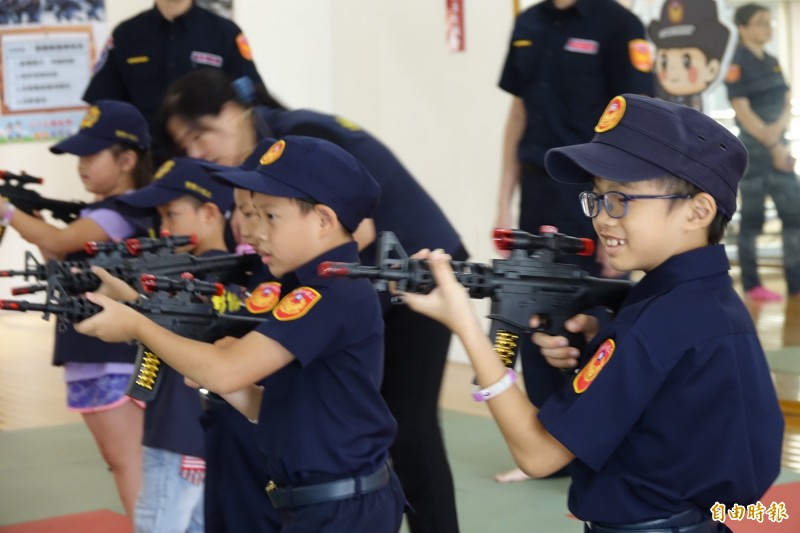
column 529, row 282
column 176, row 305
column 13, row 187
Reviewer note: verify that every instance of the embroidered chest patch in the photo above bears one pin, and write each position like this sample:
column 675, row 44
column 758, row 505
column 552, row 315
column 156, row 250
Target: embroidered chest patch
column 296, row 304
column 600, row 359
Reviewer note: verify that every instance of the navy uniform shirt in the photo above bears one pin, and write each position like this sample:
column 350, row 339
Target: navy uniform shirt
column 322, row 416
column 567, row 64
column 676, row 409
column 172, row 418
column 147, row 52
column 405, row 207
column 761, row 81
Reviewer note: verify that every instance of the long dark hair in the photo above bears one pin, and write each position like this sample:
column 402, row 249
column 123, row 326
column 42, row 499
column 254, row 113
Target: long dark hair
column 204, row 92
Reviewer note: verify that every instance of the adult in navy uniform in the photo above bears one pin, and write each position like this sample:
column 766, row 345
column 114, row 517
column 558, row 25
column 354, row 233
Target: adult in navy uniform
column 762, row 102
column 566, row 60
column 208, row 120
column 154, row 48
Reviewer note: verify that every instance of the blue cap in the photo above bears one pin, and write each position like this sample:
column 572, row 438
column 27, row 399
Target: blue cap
column 106, row 123
column 312, row 169
column 640, row 138
column 178, row 177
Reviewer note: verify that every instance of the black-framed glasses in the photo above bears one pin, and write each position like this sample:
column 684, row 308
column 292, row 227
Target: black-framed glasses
column 616, row 203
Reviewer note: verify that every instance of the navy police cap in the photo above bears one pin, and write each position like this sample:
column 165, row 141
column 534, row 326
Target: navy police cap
column 181, row 176
column 311, row 169
column 106, row 123
column 640, row 138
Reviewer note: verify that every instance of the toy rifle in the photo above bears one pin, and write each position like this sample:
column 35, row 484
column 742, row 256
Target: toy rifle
column 12, row 187
column 180, row 306
column 130, row 259
column 529, row 282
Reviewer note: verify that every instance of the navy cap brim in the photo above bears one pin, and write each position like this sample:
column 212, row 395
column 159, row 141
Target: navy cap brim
column 81, row 144
column 262, row 182
column 152, row 196
column 581, row 163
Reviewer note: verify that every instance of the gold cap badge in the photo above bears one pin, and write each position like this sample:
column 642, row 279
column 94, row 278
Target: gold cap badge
column 614, row 112
column 91, row 117
column 273, row 153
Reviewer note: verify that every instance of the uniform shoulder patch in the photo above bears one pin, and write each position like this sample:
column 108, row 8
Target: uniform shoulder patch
column 734, row 73
column 264, row 298
column 103, row 55
column 244, row 47
column 296, row 304
column 589, row 372
column 641, row 55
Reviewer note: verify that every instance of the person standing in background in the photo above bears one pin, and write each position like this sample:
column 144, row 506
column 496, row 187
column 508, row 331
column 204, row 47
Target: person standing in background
column 761, row 99
column 562, row 68
column 154, row 48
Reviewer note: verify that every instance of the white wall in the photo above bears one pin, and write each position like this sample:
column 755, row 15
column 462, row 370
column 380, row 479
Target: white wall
column 382, row 64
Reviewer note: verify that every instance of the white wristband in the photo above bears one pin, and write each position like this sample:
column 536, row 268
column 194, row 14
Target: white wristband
column 493, row 390
column 6, row 220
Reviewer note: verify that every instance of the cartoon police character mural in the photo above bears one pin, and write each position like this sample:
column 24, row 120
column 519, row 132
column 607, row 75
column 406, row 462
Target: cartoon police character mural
column 693, row 46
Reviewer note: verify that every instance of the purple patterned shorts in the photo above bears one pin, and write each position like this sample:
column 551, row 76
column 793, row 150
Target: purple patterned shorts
column 97, row 394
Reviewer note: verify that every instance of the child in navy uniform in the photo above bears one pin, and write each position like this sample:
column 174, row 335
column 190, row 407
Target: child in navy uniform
column 173, row 465
column 673, row 411
column 322, row 424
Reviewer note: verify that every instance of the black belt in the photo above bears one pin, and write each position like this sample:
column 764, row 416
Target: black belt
column 685, row 522
column 211, row 402
column 326, row 492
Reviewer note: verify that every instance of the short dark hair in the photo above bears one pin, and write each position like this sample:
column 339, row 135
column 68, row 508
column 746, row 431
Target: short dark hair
column 675, row 185
column 744, row 14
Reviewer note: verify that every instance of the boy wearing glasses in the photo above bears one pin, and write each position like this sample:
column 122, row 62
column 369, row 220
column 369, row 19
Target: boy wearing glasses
column 671, row 417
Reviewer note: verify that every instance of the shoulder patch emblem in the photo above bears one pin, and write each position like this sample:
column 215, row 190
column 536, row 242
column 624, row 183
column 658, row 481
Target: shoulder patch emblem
column 264, row 298
column 641, row 54
column 244, row 47
column 734, row 73
column 600, row 358
column 614, row 112
column 103, row 55
column 296, row 304
column 273, row 153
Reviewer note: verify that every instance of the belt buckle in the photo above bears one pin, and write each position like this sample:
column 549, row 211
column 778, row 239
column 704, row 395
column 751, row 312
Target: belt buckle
column 271, row 486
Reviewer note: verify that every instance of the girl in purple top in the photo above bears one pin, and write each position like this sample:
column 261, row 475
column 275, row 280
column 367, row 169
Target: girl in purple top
column 113, row 145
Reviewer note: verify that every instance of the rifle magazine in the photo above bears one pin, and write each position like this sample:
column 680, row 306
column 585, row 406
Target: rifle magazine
column 145, row 379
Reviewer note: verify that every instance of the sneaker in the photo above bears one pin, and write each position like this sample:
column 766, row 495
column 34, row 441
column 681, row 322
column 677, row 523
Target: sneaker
column 763, row 294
